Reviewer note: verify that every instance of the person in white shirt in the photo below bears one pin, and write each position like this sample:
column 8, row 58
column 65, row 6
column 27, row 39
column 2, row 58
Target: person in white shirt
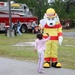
column 33, row 26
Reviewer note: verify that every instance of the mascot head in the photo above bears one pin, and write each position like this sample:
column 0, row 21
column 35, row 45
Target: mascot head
column 51, row 17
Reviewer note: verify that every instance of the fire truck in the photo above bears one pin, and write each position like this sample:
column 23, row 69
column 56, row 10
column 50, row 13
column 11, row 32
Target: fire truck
column 19, row 12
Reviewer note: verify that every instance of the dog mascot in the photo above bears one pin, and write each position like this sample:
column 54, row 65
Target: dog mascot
column 51, row 25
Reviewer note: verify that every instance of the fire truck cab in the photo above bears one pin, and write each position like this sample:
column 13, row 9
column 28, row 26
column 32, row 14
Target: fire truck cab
column 19, row 12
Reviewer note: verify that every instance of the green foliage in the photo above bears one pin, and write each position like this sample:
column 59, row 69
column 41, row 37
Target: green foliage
column 72, row 24
column 3, row 0
column 59, row 7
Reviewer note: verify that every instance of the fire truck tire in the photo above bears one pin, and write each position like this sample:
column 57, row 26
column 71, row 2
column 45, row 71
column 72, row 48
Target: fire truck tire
column 23, row 29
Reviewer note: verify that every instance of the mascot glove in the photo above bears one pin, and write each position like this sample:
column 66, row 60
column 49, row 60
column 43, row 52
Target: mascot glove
column 42, row 23
column 60, row 39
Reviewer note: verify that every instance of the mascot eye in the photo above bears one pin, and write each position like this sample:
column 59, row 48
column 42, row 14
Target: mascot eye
column 48, row 18
column 52, row 18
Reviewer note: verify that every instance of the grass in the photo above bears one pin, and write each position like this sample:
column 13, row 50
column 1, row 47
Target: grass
column 8, row 50
column 66, row 54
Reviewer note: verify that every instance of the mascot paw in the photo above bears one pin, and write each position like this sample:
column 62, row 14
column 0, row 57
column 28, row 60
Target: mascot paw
column 46, row 65
column 56, row 65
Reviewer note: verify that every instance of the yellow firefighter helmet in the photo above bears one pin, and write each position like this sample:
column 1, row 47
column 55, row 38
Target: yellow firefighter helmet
column 50, row 13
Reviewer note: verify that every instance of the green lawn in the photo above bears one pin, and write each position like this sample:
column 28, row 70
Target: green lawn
column 66, row 54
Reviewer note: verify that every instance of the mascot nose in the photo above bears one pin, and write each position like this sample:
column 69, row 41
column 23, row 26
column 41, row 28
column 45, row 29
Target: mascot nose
column 51, row 23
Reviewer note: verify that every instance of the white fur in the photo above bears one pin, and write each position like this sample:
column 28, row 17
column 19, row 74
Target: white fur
column 49, row 21
column 42, row 23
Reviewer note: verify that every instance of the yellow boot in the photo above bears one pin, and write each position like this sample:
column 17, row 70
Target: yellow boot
column 56, row 65
column 46, row 65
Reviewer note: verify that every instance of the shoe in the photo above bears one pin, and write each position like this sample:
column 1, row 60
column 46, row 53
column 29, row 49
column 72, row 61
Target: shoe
column 46, row 65
column 41, row 72
column 56, row 65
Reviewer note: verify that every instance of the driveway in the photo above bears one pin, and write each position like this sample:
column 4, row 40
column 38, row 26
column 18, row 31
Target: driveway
column 16, row 67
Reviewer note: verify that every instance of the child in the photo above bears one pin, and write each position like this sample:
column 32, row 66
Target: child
column 37, row 30
column 40, row 47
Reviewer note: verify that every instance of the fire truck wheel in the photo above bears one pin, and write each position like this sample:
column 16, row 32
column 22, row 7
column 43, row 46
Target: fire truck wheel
column 15, row 27
column 23, row 28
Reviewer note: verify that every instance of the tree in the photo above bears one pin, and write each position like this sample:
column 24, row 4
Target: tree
column 68, row 6
column 3, row 0
column 59, row 7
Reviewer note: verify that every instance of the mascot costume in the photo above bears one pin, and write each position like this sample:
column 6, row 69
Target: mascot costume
column 51, row 25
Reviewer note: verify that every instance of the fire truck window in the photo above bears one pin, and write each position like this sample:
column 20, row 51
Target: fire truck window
column 25, row 7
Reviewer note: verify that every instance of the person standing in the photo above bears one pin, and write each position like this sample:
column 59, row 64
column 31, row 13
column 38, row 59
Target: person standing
column 18, row 27
column 40, row 47
column 33, row 26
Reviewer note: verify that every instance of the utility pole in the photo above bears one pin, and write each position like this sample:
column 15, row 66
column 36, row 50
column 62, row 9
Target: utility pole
column 10, row 32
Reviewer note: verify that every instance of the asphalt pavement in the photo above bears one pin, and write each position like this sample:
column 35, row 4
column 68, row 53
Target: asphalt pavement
column 16, row 67
column 69, row 34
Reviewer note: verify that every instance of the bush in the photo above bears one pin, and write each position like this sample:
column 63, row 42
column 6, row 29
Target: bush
column 72, row 24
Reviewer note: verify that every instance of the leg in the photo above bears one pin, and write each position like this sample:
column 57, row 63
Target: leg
column 47, row 55
column 40, row 61
column 54, row 54
column 18, row 30
column 32, row 29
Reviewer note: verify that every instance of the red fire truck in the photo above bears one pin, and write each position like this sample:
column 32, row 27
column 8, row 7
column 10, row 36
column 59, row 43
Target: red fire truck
column 19, row 12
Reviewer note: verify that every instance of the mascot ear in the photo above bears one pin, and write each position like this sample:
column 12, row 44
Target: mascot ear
column 57, row 19
column 45, row 16
column 42, row 23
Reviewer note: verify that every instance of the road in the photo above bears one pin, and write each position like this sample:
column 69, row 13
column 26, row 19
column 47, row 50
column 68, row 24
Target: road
column 16, row 67
column 69, row 34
